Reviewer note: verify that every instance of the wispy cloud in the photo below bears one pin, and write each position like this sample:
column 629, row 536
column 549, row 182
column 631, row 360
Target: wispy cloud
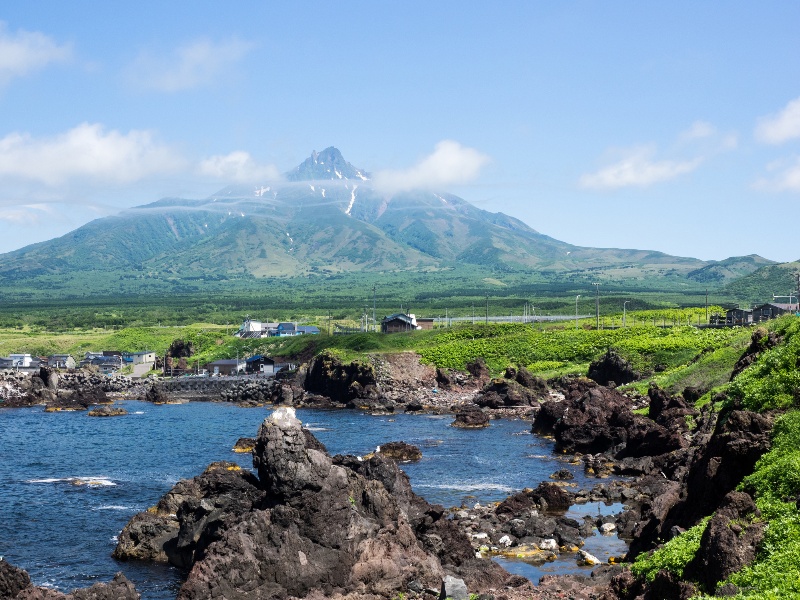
column 26, row 51
column 638, row 168
column 25, row 214
column 238, row 167
column 196, row 64
column 784, row 176
column 780, row 127
column 641, row 166
column 87, row 151
column 449, row 164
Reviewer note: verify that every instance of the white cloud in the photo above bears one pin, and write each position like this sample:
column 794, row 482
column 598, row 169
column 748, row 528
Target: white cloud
column 86, row 152
column 26, row 51
column 698, row 130
column 785, row 178
column 449, row 164
column 238, row 167
column 780, row 127
column 196, row 64
column 637, row 168
column 25, row 214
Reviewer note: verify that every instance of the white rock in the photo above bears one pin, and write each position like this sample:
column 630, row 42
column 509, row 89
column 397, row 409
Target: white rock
column 549, row 544
column 504, row 541
column 585, row 558
column 607, row 528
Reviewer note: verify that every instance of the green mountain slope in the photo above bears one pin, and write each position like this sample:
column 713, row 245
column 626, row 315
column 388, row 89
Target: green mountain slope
column 326, row 218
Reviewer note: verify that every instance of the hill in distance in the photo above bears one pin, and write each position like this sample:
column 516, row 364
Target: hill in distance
column 326, row 219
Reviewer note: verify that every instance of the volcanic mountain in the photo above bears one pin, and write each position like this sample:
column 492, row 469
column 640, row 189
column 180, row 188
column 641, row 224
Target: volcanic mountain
column 326, row 217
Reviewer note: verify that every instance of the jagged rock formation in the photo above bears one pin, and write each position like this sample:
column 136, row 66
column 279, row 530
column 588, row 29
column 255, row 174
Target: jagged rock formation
column 612, row 368
column 15, row 584
column 593, row 419
column 308, row 524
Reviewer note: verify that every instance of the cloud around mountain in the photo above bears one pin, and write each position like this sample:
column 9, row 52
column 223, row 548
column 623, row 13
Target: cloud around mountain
column 449, row 164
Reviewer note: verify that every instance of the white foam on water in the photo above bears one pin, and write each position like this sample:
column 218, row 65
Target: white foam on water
column 87, row 481
column 467, row 487
column 114, row 507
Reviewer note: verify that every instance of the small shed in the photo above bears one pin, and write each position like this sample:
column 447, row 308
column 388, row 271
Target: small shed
column 738, row 316
column 771, row 310
column 398, row 322
column 226, row 367
column 260, row 364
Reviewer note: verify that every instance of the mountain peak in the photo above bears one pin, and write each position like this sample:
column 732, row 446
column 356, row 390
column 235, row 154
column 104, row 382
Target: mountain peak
column 328, row 164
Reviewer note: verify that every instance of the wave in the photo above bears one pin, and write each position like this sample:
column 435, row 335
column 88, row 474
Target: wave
column 114, row 507
column 87, row 481
column 467, row 487
column 315, row 428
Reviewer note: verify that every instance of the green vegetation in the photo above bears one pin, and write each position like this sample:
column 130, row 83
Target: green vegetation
column 771, row 383
column 672, row 556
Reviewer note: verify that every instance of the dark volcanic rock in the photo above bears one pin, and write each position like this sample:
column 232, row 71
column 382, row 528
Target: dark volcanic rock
column 760, row 341
column 190, row 516
column 729, row 542
column 244, row 445
column 155, row 395
column 12, row 580
column 107, row 411
column 470, row 416
column 507, row 392
column 328, row 376
column 15, row 584
column 315, row 525
column 594, row 419
column 738, row 440
column 400, row 451
column 478, row 369
column 611, row 367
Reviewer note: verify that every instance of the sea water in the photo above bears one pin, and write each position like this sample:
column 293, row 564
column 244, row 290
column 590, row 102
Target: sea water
column 69, row 482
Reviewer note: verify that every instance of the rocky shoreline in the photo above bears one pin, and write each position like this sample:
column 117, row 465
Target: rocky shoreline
column 311, row 525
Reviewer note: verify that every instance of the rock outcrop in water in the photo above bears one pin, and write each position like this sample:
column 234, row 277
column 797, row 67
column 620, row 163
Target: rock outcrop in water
column 15, row 584
column 309, row 524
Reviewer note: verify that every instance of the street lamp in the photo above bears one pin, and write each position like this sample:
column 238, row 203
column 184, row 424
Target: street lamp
column 623, row 312
column 576, row 310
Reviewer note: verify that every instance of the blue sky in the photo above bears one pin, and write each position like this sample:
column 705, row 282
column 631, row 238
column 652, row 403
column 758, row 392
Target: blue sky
column 664, row 126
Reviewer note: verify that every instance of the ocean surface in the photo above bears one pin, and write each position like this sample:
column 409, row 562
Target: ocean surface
column 69, row 482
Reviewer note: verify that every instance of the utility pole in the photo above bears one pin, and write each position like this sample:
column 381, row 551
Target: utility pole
column 374, row 322
column 597, row 303
column 706, row 305
column 623, row 312
column 576, row 310
column 487, row 308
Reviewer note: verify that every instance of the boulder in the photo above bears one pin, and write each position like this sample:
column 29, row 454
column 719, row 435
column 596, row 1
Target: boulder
column 244, row 445
column 729, row 542
column 470, row 416
column 107, row 411
column 503, row 392
column 15, row 584
column 399, row 451
column 478, row 369
column 611, row 367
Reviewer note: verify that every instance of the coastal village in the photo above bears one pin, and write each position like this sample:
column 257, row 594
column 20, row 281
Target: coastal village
column 143, row 362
